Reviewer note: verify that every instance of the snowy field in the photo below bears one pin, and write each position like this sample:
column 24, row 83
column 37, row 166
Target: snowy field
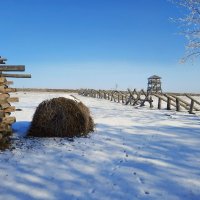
column 133, row 154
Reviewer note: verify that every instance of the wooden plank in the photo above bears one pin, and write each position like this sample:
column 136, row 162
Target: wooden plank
column 2, row 113
column 10, row 109
column 2, row 87
column 3, row 127
column 16, row 75
column 6, row 129
column 13, row 99
column 4, row 105
column 2, row 79
column 3, row 96
column 7, row 90
column 7, row 114
column 8, row 120
column 6, row 83
column 15, row 68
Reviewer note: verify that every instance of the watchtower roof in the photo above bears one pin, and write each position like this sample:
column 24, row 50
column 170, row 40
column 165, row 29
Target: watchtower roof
column 154, row 77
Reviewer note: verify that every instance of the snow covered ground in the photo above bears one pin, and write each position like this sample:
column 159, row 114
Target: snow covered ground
column 133, row 154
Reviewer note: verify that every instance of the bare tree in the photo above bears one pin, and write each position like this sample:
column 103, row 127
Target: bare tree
column 190, row 23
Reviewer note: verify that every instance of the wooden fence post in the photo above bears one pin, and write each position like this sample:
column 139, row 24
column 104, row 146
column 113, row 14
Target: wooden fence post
column 104, row 95
column 168, row 103
column 151, row 102
column 178, row 105
column 159, row 103
column 122, row 98
column 191, row 107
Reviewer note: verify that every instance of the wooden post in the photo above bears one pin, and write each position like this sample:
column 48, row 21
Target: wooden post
column 118, row 98
column 122, row 98
column 114, row 98
column 126, row 99
column 159, row 103
column 168, row 103
column 178, row 105
column 191, row 107
column 16, row 75
column 151, row 102
column 12, row 68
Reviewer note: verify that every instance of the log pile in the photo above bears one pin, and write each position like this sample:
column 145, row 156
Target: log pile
column 6, row 108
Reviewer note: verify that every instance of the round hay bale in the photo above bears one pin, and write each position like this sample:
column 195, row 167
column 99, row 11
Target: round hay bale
column 61, row 117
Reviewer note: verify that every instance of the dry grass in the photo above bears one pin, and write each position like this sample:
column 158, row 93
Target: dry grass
column 61, row 117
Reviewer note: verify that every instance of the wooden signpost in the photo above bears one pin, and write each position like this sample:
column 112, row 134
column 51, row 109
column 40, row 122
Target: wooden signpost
column 6, row 120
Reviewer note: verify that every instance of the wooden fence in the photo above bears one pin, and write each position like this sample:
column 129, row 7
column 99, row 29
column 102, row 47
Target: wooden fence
column 6, row 120
column 139, row 98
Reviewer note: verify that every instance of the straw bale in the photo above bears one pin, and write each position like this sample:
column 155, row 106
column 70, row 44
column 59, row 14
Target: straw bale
column 61, row 117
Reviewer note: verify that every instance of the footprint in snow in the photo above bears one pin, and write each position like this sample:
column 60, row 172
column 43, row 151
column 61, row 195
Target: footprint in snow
column 113, row 170
column 141, row 180
column 92, row 191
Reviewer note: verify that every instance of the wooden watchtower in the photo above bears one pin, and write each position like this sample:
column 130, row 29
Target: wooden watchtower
column 6, row 120
column 154, row 84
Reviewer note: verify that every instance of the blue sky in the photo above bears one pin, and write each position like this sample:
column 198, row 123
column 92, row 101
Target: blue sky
column 96, row 44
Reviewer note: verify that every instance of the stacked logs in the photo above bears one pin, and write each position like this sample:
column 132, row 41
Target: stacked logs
column 6, row 109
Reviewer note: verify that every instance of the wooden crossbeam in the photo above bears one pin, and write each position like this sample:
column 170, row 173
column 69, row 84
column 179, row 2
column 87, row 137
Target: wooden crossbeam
column 191, row 98
column 162, row 98
column 16, row 75
column 185, row 102
column 182, row 103
column 20, row 68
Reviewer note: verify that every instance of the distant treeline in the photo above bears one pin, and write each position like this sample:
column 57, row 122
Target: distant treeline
column 46, row 90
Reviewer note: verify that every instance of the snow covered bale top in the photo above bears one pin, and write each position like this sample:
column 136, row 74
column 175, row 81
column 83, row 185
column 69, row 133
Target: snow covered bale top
column 61, row 117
